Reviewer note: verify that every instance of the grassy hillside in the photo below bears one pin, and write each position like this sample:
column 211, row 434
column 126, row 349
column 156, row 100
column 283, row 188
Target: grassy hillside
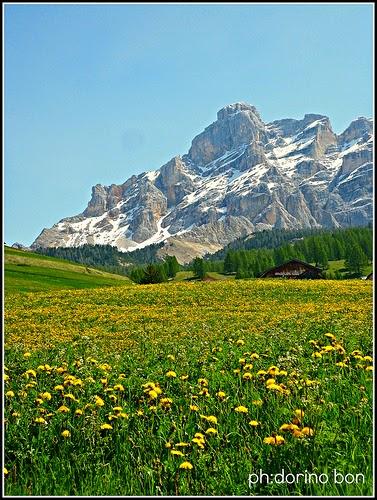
column 187, row 388
column 31, row 272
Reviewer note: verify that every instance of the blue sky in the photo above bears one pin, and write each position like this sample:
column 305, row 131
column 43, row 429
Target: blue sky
column 96, row 93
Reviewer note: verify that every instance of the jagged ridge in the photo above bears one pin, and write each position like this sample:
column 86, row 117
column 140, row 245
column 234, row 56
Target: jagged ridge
column 239, row 176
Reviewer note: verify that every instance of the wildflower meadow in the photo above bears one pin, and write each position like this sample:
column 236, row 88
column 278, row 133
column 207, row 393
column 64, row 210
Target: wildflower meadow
column 190, row 388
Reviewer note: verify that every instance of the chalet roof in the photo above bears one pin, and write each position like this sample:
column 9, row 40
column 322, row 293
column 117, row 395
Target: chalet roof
column 294, row 261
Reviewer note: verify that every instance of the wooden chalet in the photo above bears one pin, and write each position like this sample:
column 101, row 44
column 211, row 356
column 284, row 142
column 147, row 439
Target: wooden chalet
column 294, row 269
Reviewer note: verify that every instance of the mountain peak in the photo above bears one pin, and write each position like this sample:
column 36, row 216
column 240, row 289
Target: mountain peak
column 232, row 109
column 239, row 176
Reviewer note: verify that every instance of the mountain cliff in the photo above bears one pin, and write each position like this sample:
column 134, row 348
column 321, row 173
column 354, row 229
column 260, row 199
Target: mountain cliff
column 240, row 176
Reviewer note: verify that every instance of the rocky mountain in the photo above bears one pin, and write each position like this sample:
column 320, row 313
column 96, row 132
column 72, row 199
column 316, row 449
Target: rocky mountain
column 240, row 176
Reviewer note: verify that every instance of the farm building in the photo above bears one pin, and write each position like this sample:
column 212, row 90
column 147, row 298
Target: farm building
column 294, row 269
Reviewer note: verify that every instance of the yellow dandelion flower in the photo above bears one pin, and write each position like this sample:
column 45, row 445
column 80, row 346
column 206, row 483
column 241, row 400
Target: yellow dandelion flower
column 194, row 408
column 106, row 427
column 117, row 409
column 31, row 373
column 66, row 434
column 204, row 392
column 63, row 409
column 39, row 401
column 184, row 377
column 61, row 369
column 254, row 355
column 6, row 471
column 236, row 371
column 166, row 402
column 198, row 442
column 118, row 387
column 40, row 420
column 9, row 394
column 369, row 369
column 152, row 394
column 261, row 372
column 211, row 418
column 307, row 431
column 274, row 440
column 182, row 444
column 273, row 370
column 168, row 445
column 70, row 396
column 78, row 412
column 330, row 336
column 288, row 427
column 247, row 376
column 220, row 394
column 299, row 413
column 186, row 465
column 212, row 431
column 240, row 342
column 241, row 409
column 15, row 414
column 203, row 382
column 254, row 423
column 171, row 374
column 270, row 381
column 27, row 355
column 99, row 401
column 316, row 355
column 113, row 398
column 123, row 415
column 171, row 357
column 59, row 388
column 257, row 402
column 177, row 453
column 328, row 348
column 297, row 433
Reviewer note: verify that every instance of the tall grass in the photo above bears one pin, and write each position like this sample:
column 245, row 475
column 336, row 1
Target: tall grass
column 160, row 364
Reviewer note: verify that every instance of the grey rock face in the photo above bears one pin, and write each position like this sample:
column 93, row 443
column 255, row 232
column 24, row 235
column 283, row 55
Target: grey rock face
column 236, row 125
column 360, row 128
column 175, row 181
column 239, row 176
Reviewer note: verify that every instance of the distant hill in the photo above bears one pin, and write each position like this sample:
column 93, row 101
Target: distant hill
column 31, row 272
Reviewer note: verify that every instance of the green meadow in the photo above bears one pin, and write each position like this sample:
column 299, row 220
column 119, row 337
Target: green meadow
column 190, row 388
